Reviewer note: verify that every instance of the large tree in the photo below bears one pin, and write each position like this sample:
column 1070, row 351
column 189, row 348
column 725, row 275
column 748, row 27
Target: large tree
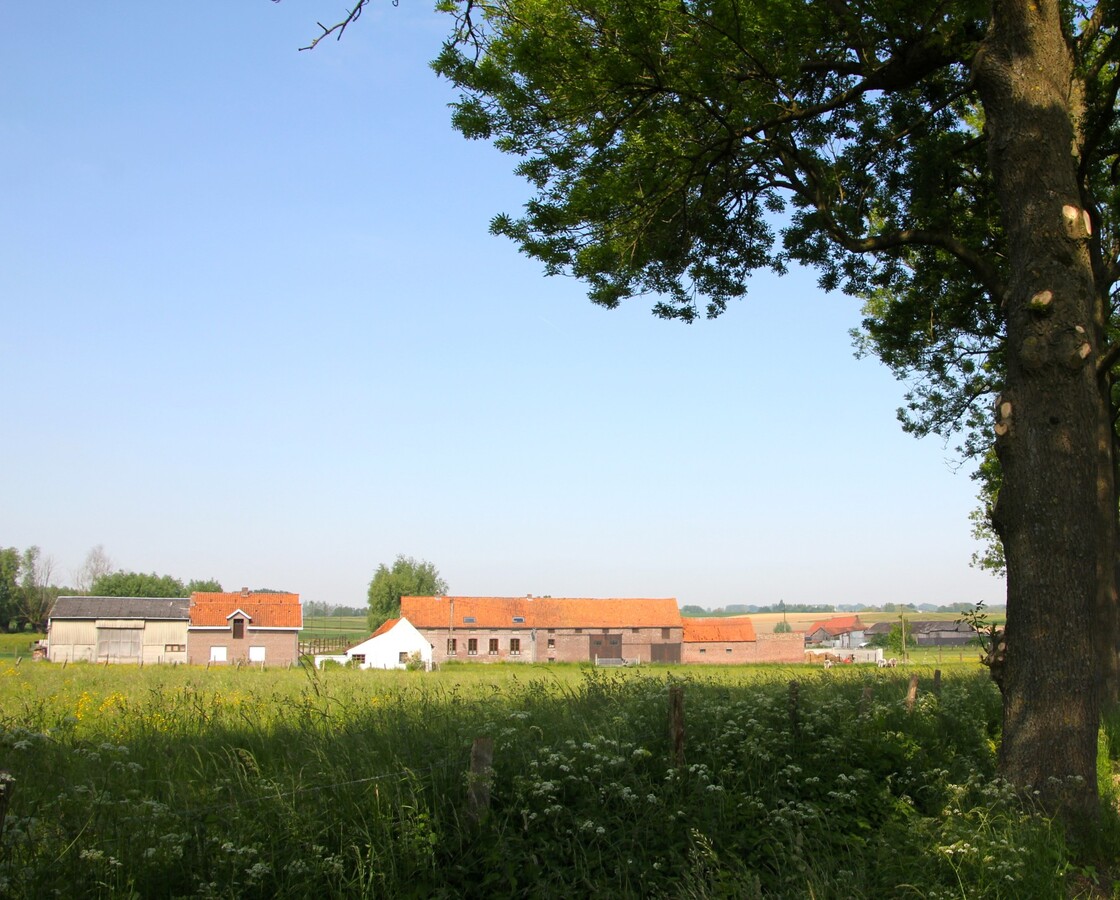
column 407, row 577
column 955, row 164
column 137, row 584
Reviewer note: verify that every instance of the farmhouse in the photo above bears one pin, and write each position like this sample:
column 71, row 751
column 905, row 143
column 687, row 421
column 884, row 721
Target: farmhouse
column 390, row 647
column 547, row 629
column 246, row 626
column 734, row 640
column 118, row 630
column 839, row 631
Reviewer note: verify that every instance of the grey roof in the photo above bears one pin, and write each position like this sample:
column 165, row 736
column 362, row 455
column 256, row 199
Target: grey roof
column 921, row 627
column 121, row 608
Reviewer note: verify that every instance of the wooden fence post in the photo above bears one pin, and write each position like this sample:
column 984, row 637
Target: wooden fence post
column 865, row 700
column 676, row 725
column 937, row 682
column 912, row 693
column 478, row 782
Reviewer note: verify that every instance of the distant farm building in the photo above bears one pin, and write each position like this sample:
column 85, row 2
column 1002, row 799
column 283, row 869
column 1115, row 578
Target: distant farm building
column 839, row 631
column 734, row 640
column 929, row 633
column 392, row 646
column 257, row 627
column 118, row 630
column 547, row 629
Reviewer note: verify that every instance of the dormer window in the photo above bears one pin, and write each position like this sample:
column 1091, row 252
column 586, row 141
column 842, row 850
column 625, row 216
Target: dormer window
column 238, row 629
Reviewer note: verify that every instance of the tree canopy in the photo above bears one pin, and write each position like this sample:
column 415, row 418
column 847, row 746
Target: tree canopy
column 137, row 584
column 407, row 577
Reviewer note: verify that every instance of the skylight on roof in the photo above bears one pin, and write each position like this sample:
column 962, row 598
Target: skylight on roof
column 518, row 619
column 467, row 620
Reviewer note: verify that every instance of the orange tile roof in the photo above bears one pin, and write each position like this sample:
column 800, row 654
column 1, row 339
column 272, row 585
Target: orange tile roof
column 385, row 626
column 838, row 625
column 263, row 610
column 718, row 630
column 541, row 612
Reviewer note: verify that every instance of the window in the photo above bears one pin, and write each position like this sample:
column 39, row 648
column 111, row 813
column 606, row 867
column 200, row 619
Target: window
column 119, row 643
column 472, row 646
column 664, row 634
column 359, row 659
column 174, row 648
column 515, row 646
column 517, row 620
column 256, row 654
column 402, row 657
column 703, row 650
column 238, row 629
column 493, row 646
column 728, row 649
column 606, row 631
column 635, row 630
column 217, row 654
column 452, row 646
column 468, row 620
column 578, row 630
column 552, row 643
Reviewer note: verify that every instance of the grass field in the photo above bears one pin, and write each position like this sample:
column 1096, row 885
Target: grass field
column 184, row 782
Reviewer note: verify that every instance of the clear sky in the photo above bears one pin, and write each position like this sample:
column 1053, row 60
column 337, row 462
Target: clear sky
column 254, row 328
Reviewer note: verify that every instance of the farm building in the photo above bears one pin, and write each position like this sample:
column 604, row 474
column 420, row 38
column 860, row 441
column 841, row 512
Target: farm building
column 929, row 633
column 390, row 647
column 839, row 631
column 118, row 630
column 733, row 640
column 246, row 626
column 547, row 629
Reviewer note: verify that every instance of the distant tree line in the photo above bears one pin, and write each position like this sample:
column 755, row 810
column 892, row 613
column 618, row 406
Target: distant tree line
column 28, row 589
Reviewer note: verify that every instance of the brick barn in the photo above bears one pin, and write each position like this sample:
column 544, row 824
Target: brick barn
column 733, row 640
column 547, row 629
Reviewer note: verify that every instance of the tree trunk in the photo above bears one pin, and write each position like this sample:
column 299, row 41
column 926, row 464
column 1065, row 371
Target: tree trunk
column 1053, row 429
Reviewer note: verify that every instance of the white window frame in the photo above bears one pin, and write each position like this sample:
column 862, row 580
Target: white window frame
column 219, row 653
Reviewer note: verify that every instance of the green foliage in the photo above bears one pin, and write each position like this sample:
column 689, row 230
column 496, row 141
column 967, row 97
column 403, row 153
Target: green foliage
column 9, row 585
column 180, row 782
column 137, row 584
column 783, row 627
column 408, row 577
column 203, row 586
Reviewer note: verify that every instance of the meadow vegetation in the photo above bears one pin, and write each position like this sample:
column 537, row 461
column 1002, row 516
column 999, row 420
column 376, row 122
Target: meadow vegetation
column 188, row 782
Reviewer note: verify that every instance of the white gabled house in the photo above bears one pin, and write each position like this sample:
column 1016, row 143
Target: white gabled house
column 390, row 647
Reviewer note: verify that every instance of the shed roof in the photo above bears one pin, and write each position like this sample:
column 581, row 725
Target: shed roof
column 263, row 610
column 120, row 608
column 540, row 612
column 838, row 625
column 718, row 630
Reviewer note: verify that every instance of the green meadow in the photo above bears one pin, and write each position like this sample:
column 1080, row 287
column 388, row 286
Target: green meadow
column 188, row 782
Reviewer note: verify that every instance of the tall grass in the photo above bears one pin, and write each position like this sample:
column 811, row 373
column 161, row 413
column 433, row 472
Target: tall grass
column 183, row 782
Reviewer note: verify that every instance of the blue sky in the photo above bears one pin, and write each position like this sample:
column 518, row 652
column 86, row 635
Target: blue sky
column 254, row 328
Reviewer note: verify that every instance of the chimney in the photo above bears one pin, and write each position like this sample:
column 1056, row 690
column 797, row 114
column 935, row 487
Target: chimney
column 244, row 592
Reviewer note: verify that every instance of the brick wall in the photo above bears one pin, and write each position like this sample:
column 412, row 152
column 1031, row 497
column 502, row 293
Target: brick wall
column 280, row 647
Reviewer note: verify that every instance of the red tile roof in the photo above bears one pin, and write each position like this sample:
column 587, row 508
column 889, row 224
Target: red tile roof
column 540, row 612
column 261, row 609
column 838, row 625
column 385, row 626
column 718, row 630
